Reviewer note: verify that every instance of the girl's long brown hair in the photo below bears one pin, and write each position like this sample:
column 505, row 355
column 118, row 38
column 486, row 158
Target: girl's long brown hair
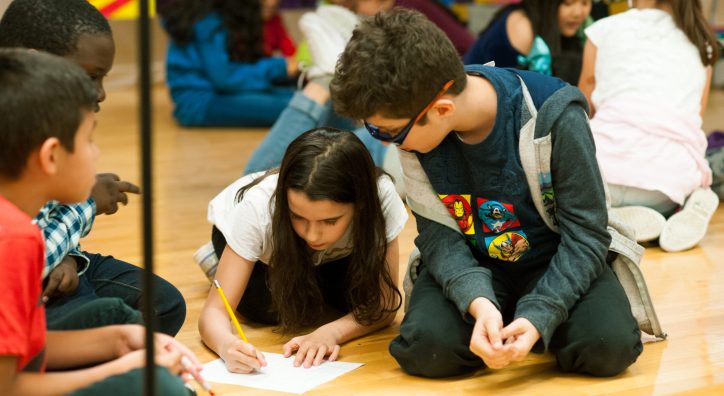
column 329, row 164
column 689, row 17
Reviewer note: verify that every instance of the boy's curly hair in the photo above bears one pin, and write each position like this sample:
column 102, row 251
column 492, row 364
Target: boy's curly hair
column 53, row 26
column 394, row 65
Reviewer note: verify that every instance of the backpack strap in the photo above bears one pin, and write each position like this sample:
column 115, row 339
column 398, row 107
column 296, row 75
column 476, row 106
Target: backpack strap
column 535, row 157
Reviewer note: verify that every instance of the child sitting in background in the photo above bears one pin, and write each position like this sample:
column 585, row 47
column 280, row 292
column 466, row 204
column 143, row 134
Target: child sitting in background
column 538, row 35
column 276, row 38
column 84, row 289
column 646, row 73
column 217, row 69
column 47, row 153
column 320, row 231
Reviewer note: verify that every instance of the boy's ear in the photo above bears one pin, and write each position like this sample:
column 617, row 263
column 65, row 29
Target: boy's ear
column 444, row 108
column 48, row 155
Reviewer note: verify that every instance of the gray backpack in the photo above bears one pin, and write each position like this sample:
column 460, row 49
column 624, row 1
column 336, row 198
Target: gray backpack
column 535, row 155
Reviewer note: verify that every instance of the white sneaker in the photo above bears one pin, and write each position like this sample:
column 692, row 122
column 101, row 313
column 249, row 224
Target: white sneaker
column 326, row 39
column 646, row 222
column 343, row 20
column 686, row 228
column 206, row 258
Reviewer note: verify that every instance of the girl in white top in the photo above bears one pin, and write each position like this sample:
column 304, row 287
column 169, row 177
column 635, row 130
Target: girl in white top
column 646, row 73
column 319, row 231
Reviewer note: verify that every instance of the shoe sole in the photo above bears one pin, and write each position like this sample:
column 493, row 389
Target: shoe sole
column 646, row 222
column 687, row 228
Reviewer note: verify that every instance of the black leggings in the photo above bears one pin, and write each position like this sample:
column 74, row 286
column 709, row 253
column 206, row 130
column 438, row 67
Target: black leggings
column 256, row 302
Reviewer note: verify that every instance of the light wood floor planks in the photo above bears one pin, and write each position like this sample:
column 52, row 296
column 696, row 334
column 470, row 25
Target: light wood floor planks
column 191, row 166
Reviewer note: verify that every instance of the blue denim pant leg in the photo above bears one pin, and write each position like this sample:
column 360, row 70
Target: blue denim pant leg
column 301, row 115
column 82, row 314
column 375, row 147
column 247, row 109
column 108, row 277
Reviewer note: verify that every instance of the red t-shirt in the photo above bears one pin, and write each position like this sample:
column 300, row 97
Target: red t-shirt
column 276, row 38
column 22, row 315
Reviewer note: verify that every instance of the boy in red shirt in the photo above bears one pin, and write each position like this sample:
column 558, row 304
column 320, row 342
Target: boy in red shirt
column 47, row 153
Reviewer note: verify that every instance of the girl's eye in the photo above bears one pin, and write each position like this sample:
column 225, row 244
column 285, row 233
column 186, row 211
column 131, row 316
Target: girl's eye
column 330, row 222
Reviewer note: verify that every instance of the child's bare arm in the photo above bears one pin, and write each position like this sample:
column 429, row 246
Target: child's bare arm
column 707, row 87
column 215, row 326
column 587, row 80
column 76, row 348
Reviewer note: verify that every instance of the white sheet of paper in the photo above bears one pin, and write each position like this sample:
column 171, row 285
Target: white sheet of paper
column 279, row 374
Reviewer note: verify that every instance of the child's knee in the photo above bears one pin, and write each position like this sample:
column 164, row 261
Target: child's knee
column 601, row 356
column 432, row 352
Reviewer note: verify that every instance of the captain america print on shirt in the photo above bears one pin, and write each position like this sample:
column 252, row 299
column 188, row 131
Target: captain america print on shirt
column 460, row 209
column 495, row 216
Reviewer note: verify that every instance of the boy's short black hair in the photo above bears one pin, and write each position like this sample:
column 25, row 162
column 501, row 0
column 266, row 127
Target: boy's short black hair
column 50, row 25
column 393, row 65
column 41, row 96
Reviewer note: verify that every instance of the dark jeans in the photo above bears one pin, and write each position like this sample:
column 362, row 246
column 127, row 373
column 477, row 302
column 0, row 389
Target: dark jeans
column 131, row 384
column 107, row 281
column 599, row 338
column 256, row 302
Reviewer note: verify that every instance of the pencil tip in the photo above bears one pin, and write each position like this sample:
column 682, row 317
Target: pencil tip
column 216, row 283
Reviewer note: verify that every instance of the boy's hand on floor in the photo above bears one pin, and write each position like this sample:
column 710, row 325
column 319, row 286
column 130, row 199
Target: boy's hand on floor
column 312, row 348
column 63, row 279
column 109, row 190
column 486, row 340
column 241, row 357
column 520, row 336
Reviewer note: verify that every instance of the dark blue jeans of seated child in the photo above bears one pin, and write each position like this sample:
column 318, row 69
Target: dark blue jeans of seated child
column 600, row 337
column 108, row 278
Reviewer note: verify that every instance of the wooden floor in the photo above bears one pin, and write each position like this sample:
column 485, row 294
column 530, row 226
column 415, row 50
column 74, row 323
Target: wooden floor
column 191, row 166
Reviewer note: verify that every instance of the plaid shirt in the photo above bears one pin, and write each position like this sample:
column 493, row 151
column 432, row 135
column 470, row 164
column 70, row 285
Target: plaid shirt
column 63, row 226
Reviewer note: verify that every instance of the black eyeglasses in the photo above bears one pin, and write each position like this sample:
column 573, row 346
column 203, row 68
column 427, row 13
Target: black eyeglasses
column 397, row 139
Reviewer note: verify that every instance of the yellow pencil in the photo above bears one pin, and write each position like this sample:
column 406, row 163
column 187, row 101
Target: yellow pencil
column 230, row 311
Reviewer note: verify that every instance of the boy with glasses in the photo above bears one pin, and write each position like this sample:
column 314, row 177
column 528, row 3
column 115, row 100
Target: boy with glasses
column 500, row 282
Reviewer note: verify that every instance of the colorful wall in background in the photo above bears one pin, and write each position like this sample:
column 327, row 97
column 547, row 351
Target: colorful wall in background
column 120, row 9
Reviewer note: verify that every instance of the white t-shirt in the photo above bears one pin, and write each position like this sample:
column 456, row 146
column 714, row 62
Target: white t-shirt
column 643, row 53
column 246, row 225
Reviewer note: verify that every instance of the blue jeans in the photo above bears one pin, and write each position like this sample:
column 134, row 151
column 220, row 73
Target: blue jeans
column 301, row 115
column 247, row 109
column 108, row 279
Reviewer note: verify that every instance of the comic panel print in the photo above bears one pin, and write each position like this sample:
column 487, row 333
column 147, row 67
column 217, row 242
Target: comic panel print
column 496, row 216
column 510, row 246
column 460, row 209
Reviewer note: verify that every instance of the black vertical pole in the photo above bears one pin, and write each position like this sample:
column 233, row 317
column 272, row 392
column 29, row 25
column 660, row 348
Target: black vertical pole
column 144, row 56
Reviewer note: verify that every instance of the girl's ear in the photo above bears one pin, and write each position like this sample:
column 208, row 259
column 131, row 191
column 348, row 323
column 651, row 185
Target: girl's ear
column 49, row 155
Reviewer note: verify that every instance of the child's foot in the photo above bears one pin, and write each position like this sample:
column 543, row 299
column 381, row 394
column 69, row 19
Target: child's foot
column 646, row 222
column 687, row 228
column 206, row 258
column 343, row 20
column 327, row 34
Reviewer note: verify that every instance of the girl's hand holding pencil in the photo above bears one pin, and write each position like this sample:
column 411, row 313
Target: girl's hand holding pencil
column 239, row 355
